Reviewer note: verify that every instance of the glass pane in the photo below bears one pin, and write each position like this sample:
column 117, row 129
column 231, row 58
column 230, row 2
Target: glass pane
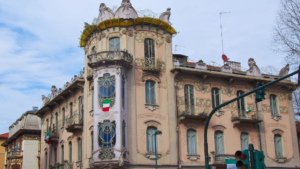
column 278, row 146
column 244, row 140
column 151, row 139
column 219, row 145
column 191, row 141
column 79, row 149
column 63, row 117
column 114, row 43
column 150, row 92
column 62, row 154
column 149, row 48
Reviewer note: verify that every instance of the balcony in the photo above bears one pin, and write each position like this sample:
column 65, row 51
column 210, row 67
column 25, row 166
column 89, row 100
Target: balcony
column 106, row 58
column 193, row 112
column 241, row 116
column 74, row 123
column 15, row 154
column 53, row 134
column 151, row 64
column 57, row 166
column 219, row 159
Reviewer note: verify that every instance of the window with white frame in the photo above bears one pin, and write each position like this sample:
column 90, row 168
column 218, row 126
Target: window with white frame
column 151, row 139
column 219, row 142
column 191, row 141
column 278, row 145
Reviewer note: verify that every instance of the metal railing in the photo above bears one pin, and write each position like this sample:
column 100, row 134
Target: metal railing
column 12, row 154
column 110, row 55
column 150, row 63
column 74, row 119
column 193, row 110
column 237, row 114
column 220, row 158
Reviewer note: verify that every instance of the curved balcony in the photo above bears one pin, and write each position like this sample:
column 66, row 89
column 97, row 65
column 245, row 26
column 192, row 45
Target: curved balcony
column 106, row 58
column 74, row 123
column 15, row 154
column 241, row 116
column 193, row 112
column 151, row 64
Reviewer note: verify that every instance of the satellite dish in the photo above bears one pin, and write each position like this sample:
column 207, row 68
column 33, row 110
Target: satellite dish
column 224, row 57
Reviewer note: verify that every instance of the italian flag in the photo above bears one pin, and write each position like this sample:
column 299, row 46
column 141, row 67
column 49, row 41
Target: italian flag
column 249, row 111
column 47, row 138
column 231, row 163
column 105, row 105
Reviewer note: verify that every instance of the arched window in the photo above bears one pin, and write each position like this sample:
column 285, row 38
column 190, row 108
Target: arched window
column 241, row 105
column 114, row 43
column 63, row 117
column 70, row 152
column 71, row 109
column 215, row 95
column 107, row 139
column 273, row 105
column 278, row 145
column 150, row 92
column 62, row 159
column 189, row 99
column 79, row 148
column 151, row 139
column 244, row 140
column 191, row 141
column 46, row 159
column 219, row 142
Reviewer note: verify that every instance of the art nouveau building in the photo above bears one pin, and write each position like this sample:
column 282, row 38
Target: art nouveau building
column 22, row 148
column 129, row 61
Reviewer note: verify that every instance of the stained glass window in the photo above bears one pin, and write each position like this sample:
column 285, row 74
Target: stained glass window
column 189, row 99
column 150, row 92
column 244, row 141
column 273, row 105
column 191, row 141
column 107, row 139
column 215, row 93
column 114, row 43
column 278, row 145
column 107, row 89
column 151, row 139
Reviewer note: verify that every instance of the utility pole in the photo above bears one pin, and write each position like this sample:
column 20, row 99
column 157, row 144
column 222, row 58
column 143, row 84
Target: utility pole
column 221, row 13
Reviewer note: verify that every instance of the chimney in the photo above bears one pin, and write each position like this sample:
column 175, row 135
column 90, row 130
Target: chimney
column 35, row 108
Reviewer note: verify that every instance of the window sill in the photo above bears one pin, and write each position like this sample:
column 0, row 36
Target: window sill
column 151, row 107
column 219, row 112
column 152, row 156
column 281, row 159
column 193, row 157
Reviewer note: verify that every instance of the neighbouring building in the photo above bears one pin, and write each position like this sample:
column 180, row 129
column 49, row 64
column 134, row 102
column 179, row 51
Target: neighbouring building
column 129, row 61
column 3, row 138
column 22, row 148
column 298, row 134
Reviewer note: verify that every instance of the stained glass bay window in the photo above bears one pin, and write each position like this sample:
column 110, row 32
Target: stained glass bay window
column 107, row 139
column 107, row 89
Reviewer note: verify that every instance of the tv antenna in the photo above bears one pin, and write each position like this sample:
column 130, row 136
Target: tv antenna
column 221, row 13
column 176, row 48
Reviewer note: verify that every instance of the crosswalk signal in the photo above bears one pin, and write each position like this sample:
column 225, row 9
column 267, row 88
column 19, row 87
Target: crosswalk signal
column 259, row 159
column 243, row 159
column 260, row 94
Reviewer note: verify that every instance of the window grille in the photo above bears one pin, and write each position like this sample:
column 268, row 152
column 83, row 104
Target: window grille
column 150, row 92
column 191, row 141
column 189, row 99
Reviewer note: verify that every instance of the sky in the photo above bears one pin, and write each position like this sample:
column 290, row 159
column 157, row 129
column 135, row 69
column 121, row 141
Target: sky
column 39, row 41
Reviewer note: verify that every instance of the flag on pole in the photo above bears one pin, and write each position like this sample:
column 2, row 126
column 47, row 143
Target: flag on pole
column 249, row 111
column 231, row 163
column 106, row 104
column 47, row 138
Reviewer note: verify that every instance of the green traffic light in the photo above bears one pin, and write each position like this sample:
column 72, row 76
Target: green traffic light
column 259, row 159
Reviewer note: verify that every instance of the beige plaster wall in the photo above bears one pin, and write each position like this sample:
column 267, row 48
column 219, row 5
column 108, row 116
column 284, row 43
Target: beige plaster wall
column 2, row 154
column 30, row 154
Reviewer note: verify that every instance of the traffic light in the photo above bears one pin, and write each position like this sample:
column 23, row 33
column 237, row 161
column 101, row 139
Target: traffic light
column 260, row 94
column 243, row 159
column 259, row 160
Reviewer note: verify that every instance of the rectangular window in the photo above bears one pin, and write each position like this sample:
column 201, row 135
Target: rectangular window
column 123, row 134
column 92, row 144
column 71, row 109
column 63, row 117
column 278, row 145
column 123, row 92
column 215, row 94
column 219, row 142
column 189, row 99
column 273, row 105
column 244, row 141
column 46, row 158
column 150, row 92
column 79, row 149
column 55, row 156
column 149, row 48
column 56, row 121
column 114, row 43
column 47, row 125
column 191, row 141
column 70, row 152
column 92, row 99
column 241, row 105
column 62, row 154
column 80, row 106
column 151, row 139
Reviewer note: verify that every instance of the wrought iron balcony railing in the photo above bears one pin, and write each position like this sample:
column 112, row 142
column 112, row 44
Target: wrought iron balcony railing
column 74, row 122
column 193, row 111
column 238, row 116
column 53, row 134
column 220, row 158
column 110, row 57
column 150, row 63
column 15, row 154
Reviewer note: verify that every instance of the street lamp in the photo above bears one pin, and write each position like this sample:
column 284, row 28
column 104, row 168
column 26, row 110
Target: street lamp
column 157, row 132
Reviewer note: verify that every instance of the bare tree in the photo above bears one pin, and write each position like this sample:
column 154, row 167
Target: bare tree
column 270, row 70
column 286, row 37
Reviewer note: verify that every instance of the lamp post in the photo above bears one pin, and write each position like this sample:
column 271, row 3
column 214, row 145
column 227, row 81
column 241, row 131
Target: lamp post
column 157, row 132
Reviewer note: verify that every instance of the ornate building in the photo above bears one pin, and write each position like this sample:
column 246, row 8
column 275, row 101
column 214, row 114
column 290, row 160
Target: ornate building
column 129, row 61
column 22, row 148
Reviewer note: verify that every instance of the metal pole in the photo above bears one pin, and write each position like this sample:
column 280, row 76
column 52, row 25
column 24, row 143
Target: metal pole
column 226, row 103
column 251, row 149
column 155, row 152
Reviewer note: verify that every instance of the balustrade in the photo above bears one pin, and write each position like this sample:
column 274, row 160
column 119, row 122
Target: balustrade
column 110, row 57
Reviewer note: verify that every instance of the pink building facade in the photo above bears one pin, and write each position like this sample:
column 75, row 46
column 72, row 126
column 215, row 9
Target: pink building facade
column 129, row 61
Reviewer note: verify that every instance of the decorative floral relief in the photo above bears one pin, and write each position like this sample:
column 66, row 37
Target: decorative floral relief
column 138, row 62
column 107, row 115
column 202, row 87
column 180, row 101
column 142, row 35
column 228, row 90
column 231, row 105
column 202, row 102
column 250, row 107
column 179, row 85
column 283, row 110
column 282, row 96
column 266, row 108
column 248, row 90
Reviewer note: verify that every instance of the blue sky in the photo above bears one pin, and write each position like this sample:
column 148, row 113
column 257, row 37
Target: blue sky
column 39, row 41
